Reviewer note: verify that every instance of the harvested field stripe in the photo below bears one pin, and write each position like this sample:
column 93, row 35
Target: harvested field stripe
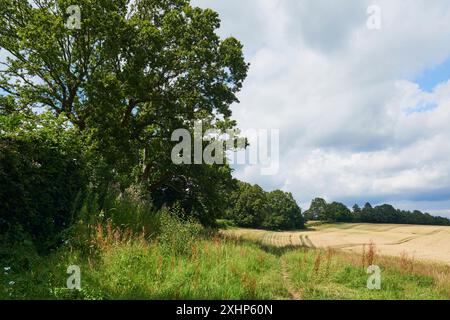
column 428, row 243
column 311, row 244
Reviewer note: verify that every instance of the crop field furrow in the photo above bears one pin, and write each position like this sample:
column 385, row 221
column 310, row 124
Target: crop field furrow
column 302, row 240
column 310, row 243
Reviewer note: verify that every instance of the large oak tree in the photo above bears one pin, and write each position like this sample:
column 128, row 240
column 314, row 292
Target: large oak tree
column 131, row 74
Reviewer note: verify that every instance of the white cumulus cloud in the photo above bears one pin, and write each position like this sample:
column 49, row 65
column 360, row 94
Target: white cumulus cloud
column 354, row 126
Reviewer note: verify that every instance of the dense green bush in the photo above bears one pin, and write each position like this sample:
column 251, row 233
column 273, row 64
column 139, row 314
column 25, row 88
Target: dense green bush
column 41, row 178
column 225, row 224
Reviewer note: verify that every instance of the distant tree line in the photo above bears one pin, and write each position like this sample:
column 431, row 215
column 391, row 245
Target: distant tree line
column 251, row 207
column 338, row 212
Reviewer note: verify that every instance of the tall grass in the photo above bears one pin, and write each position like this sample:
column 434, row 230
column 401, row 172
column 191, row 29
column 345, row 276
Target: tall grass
column 129, row 250
column 340, row 276
column 134, row 268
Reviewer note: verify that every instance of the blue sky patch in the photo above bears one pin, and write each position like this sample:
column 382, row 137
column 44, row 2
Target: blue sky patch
column 430, row 78
column 422, row 106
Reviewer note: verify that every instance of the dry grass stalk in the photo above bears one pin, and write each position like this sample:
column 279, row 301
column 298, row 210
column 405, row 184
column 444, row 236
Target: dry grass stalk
column 329, row 258
column 106, row 237
column 317, row 263
column 371, row 253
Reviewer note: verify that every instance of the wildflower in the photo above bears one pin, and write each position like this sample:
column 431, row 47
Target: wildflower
column 11, row 283
column 7, row 268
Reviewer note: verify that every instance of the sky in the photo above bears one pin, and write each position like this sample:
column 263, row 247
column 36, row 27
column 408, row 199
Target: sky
column 363, row 113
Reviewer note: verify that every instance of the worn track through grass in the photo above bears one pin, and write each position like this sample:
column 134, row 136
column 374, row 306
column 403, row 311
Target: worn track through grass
column 295, row 295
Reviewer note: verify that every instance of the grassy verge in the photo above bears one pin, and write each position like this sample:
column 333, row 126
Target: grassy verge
column 183, row 261
column 179, row 264
column 328, row 274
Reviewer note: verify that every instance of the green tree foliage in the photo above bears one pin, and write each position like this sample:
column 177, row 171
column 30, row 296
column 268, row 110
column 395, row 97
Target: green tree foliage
column 317, row 210
column 283, row 212
column 125, row 80
column 338, row 212
column 388, row 214
column 356, row 209
column 250, row 206
column 366, row 212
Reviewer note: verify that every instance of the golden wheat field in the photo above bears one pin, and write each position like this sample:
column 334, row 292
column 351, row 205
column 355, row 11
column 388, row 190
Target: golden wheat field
column 428, row 243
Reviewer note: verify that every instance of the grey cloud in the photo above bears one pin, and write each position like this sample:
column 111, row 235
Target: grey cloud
column 323, row 24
